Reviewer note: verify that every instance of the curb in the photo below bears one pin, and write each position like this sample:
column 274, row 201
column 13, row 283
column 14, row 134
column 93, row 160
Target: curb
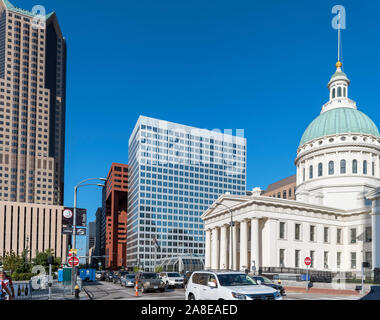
column 323, row 291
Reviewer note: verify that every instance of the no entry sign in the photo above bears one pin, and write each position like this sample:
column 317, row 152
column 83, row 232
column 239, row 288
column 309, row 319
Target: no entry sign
column 73, row 261
column 308, row 261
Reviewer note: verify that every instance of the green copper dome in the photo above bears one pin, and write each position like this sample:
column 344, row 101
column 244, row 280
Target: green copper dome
column 339, row 120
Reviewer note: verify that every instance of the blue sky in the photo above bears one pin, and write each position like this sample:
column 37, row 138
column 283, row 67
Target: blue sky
column 261, row 66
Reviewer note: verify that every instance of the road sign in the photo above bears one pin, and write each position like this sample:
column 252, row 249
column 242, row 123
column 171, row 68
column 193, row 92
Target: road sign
column 308, row 261
column 73, row 261
column 67, row 230
column 81, row 231
column 68, row 215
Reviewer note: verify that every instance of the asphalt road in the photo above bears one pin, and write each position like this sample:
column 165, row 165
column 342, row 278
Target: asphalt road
column 109, row 291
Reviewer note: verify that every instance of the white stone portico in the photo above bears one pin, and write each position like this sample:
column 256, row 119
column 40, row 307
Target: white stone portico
column 335, row 218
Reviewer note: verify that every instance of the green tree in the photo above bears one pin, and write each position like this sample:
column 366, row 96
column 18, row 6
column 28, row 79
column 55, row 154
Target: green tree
column 12, row 262
column 159, row 269
column 41, row 258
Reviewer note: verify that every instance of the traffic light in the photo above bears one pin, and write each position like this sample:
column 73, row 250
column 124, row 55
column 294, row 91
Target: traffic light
column 50, row 260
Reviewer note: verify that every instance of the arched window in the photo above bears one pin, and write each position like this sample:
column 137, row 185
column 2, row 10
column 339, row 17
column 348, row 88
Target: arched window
column 331, row 167
column 311, row 172
column 354, row 166
column 344, row 92
column 320, row 170
column 373, row 168
column 343, row 166
column 339, row 91
column 365, row 169
column 290, row 193
column 333, row 93
column 284, row 194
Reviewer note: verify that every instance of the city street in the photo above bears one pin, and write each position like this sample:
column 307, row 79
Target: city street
column 110, row 291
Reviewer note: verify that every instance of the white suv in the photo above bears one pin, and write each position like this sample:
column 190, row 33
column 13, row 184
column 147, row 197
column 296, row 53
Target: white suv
column 172, row 279
column 227, row 285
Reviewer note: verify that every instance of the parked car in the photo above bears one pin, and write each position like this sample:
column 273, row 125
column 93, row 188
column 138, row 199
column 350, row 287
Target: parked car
column 172, row 279
column 187, row 277
column 128, row 280
column 149, row 281
column 266, row 282
column 227, row 285
column 117, row 276
column 374, row 294
column 100, row 275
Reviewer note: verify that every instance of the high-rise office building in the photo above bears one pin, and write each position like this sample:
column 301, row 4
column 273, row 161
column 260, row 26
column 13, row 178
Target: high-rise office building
column 116, row 205
column 32, row 106
column 175, row 173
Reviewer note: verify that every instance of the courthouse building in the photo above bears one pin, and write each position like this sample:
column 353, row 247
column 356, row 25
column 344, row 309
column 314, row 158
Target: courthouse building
column 335, row 218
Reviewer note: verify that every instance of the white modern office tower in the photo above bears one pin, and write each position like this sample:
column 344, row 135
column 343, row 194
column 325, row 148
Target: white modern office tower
column 176, row 173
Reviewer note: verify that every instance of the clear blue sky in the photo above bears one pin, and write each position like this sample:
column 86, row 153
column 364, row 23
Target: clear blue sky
column 261, row 66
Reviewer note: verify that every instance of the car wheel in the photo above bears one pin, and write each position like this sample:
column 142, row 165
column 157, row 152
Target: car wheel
column 191, row 297
column 162, row 289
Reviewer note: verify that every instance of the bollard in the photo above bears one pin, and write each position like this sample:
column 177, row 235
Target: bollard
column 76, row 292
column 137, row 289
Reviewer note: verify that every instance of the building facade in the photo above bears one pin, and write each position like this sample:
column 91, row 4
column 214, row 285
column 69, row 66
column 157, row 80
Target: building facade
column 176, row 172
column 116, row 208
column 285, row 188
column 335, row 218
column 100, row 234
column 33, row 227
column 91, row 239
column 32, row 106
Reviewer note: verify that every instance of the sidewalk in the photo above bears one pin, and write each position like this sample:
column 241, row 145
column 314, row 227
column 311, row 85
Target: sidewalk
column 323, row 291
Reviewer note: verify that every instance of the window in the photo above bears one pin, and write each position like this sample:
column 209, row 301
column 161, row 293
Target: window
column 343, row 166
column 284, row 194
column 344, row 92
column 312, row 254
column 353, row 260
column 365, row 169
column 303, row 174
column 282, row 230
column 297, row 259
column 368, row 258
column 282, row 257
column 290, row 193
column 354, row 166
column 368, row 234
column 331, row 167
column 320, row 170
column 326, row 259
column 338, row 259
column 326, row 234
column 339, row 91
column 312, row 233
column 311, row 172
column 333, row 93
column 339, row 236
column 353, row 235
column 297, row 231
column 373, row 168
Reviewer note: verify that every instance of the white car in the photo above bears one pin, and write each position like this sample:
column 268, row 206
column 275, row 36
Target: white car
column 227, row 285
column 172, row 279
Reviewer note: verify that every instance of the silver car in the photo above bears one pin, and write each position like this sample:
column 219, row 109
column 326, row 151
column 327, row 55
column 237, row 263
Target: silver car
column 128, row 280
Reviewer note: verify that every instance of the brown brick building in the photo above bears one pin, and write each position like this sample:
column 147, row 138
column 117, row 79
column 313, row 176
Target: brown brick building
column 285, row 189
column 116, row 203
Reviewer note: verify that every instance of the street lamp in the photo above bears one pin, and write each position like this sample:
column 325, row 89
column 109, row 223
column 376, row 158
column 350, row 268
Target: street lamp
column 231, row 234
column 80, row 184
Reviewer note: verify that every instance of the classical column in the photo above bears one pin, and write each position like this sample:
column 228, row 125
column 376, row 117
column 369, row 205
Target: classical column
column 208, row 250
column 223, row 248
column 376, row 239
column 255, row 254
column 215, row 249
column 234, row 245
column 244, row 244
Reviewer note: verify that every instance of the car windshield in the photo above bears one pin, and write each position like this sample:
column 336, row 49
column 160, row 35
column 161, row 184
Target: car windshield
column 173, row 274
column 236, row 280
column 150, row 276
column 130, row 276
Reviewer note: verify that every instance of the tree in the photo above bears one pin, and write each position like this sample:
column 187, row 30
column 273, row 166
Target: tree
column 12, row 262
column 41, row 258
column 159, row 269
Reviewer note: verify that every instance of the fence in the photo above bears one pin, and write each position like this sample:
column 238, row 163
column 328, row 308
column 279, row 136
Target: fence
column 59, row 291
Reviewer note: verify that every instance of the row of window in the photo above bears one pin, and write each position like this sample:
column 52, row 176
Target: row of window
column 343, row 168
column 367, row 236
column 326, row 262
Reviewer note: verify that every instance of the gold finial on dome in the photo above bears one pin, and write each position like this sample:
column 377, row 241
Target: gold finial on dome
column 339, row 64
